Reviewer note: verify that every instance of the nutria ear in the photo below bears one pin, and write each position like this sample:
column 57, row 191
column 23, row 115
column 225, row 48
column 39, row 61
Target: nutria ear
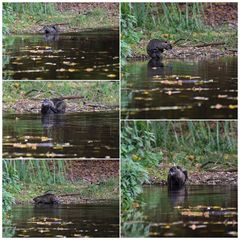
column 179, row 168
column 185, row 173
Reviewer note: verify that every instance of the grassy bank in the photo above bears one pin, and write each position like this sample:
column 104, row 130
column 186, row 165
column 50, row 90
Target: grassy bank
column 24, row 96
column 21, row 18
column 183, row 24
column 69, row 192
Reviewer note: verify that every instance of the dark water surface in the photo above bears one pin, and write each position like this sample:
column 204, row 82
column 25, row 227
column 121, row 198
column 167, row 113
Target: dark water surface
column 194, row 211
column 180, row 89
column 85, row 55
column 93, row 220
column 74, row 135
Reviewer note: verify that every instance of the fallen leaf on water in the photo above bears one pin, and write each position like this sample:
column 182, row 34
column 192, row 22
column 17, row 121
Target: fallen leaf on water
column 60, row 70
column 89, row 69
column 72, row 70
column 111, row 75
column 232, row 106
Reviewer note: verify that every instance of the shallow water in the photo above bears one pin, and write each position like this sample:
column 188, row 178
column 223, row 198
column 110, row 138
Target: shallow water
column 86, row 55
column 75, row 135
column 180, row 89
column 79, row 220
column 194, row 211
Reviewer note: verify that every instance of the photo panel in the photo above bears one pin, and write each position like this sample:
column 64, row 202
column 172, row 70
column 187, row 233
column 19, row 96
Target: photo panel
column 60, row 198
column 60, row 41
column 179, row 179
column 179, row 60
column 60, row 120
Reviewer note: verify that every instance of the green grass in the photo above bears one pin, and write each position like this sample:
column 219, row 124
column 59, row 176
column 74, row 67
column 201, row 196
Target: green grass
column 106, row 190
column 100, row 92
column 29, row 17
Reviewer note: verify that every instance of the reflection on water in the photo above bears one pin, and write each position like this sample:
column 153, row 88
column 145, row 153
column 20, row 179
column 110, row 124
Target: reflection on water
column 78, row 135
column 93, row 220
column 194, row 211
column 176, row 89
column 85, row 55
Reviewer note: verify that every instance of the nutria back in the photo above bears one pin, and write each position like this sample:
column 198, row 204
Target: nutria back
column 48, row 198
column 51, row 106
column 156, row 47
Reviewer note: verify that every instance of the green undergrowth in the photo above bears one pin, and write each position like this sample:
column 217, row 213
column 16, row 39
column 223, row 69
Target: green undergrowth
column 100, row 92
column 30, row 17
column 103, row 190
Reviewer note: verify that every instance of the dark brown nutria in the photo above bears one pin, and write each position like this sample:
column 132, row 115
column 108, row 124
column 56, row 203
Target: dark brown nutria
column 48, row 198
column 176, row 177
column 55, row 105
column 156, row 47
column 51, row 29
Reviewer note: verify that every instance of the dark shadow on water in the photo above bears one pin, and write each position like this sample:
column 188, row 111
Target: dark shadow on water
column 51, row 37
column 193, row 211
column 73, row 220
column 87, row 55
column 75, row 135
column 180, row 89
column 155, row 67
column 178, row 196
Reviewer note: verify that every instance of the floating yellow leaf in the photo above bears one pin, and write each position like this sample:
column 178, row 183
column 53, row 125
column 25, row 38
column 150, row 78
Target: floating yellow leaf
column 89, row 69
column 72, row 70
column 44, row 139
column 232, row 106
column 111, row 75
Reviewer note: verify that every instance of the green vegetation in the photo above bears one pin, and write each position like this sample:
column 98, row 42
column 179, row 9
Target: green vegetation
column 176, row 22
column 100, row 92
column 198, row 146
column 137, row 142
column 29, row 17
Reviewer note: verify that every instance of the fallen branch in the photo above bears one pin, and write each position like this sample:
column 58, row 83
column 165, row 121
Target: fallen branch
column 225, row 170
column 206, row 163
column 209, row 44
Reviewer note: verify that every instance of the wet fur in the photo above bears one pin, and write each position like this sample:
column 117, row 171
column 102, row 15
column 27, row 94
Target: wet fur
column 48, row 198
column 177, row 178
column 156, row 47
column 52, row 29
column 51, row 106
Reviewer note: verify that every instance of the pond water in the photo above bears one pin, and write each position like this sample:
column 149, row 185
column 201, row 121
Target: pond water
column 180, row 89
column 79, row 220
column 73, row 135
column 194, row 211
column 86, row 55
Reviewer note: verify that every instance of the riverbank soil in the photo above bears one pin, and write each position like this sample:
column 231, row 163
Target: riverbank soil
column 197, row 177
column 73, row 106
column 68, row 17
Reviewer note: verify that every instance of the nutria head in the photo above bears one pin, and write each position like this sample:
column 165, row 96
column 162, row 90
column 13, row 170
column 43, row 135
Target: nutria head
column 177, row 177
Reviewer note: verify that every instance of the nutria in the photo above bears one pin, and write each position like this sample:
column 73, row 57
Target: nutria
column 176, row 177
column 51, row 29
column 54, row 105
column 156, row 47
column 48, row 198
